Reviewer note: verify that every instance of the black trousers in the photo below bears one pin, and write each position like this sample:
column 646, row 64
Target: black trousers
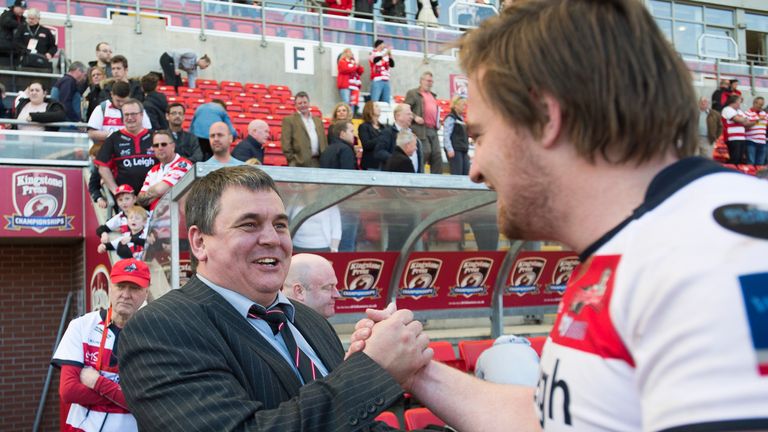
column 169, row 71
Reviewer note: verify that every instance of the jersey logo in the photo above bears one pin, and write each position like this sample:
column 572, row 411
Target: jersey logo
column 754, row 287
column 748, row 219
column 591, row 295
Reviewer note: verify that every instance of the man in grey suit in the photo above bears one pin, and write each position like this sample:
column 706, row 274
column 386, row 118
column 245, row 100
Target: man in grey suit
column 210, row 357
column 303, row 136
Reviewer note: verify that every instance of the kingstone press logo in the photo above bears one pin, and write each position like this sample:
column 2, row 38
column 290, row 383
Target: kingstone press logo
column 525, row 276
column 420, row 277
column 471, row 277
column 562, row 274
column 361, row 279
column 38, row 198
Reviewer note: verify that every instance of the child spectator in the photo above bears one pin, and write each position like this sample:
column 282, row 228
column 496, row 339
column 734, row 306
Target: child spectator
column 126, row 198
column 131, row 244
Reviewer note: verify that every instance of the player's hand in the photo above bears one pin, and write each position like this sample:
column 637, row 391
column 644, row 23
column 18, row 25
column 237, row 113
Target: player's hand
column 364, row 326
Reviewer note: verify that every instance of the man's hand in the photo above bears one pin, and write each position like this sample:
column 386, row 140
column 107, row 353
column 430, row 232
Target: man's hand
column 104, row 237
column 451, row 154
column 398, row 345
column 102, row 203
column 418, row 120
column 89, row 376
column 102, row 248
column 363, row 327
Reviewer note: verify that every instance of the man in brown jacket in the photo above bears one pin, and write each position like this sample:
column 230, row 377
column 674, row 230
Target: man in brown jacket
column 303, row 137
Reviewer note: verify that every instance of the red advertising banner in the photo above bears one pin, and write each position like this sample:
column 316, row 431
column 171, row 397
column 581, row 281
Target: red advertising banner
column 459, row 85
column 448, row 280
column 538, row 278
column 97, row 266
column 41, row 202
column 363, row 279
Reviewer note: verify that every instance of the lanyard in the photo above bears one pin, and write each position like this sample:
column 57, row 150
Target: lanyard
column 104, row 338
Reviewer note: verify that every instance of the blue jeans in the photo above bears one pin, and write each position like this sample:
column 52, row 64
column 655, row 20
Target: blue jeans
column 761, row 154
column 750, row 153
column 380, row 91
column 349, row 224
column 345, row 93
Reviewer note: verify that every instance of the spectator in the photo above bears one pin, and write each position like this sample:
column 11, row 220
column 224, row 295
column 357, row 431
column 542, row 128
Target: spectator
column 393, row 10
column 426, row 121
column 714, row 127
column 338, row 7
column 611, row 177
column 206, row 115
column 127, row 152
column 126, row 198
column 67, row 90
column 103, row 58
column 131, row 244
column 341, row 112
column 455, row 139
column 120, row 73
column 756, row 147
column 221, row 141
column 107, row 117
column 175, row 62
column 401, row 158
column 3, row 110
column 719, row 95
column 36, row 38
column 36, row 107
column 340, row 153
column 364, row 15
column 253, row 144
column 155, row 103
column 348, row 81
column 92, row 95
column 224, row 345
column 187, row 144
column 303, row 137
column 11, row 20
column 87, row 355
column 734, row 123
column 368, row 131
column 312, row 281
column 380, row 62
column 167, row 172
column 494, row 363
column 427, row 13
column 387, row 140
column 321, row 232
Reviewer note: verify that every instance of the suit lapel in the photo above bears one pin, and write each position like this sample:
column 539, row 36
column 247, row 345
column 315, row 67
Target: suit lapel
column 325, row 349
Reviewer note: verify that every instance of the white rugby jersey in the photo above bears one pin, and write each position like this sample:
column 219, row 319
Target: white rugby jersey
column 664, row 325
column 169, row 173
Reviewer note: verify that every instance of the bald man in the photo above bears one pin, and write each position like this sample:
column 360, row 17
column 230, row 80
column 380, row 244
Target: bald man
column 253, row 145
column 221, row 138
column 312, row 281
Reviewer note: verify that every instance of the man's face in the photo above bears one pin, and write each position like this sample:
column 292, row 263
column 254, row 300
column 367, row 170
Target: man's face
column 405, row 117
column 506, row 161
column 118, row 101
column 33, row 20
column 132, row 117
column 104, row 53
column 426, row 82
column 126, row 298
column 410, row 148
column 126, row 201
column 348, row 134
column 220, row 138
column 164, row 147
column 175, row 116
column 18, row 10
column 119, row 72
column 250, row 248
column 321, row 295
column 202, row 64
column 757, row 104
column 302, row 105
column 735, row 85
column 725, row 83
column 260, row 133
column 136, row 222
column 703, row 104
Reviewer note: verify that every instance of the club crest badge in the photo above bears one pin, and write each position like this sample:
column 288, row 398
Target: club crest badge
column 98, row 288
column 471, row 277
column 39, row 197
column 525, row 276
column 562, row 274
column 420, row 278
column 361, row 279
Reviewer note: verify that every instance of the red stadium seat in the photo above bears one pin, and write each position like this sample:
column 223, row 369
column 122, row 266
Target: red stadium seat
column 420, row 418
column 273, row 148
column 206, row 84
column 444, row 353
column 232, row 86
column 399, row 99
column 471, row 350
column 283, row 110
column 270, row 100
column 258, row 109
column 240, row 119
column 283, row 92
column 537, row 343
column 389, row 418
column 234, row 107
column 276, row 160
column 449, row 231
column 191, row 92
column 315, row 111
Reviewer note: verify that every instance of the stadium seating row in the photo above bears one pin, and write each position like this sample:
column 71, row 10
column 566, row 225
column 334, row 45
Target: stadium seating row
column 470, row 350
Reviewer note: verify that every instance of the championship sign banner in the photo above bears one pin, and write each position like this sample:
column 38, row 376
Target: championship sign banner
column 363, row 279
column 539, row 278
column 41, row 202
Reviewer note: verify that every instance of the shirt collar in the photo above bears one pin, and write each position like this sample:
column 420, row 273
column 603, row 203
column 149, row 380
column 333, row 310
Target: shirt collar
column 242, row 303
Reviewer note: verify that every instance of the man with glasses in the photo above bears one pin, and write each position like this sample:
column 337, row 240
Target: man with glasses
column 170, row 169
column 103, row 57
column 126, row 155
column 312, row 281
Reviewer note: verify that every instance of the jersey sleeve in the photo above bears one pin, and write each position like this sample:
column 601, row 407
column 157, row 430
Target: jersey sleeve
column 97, row 118
column 145, row 122
column 106, row 153
column 70, row 349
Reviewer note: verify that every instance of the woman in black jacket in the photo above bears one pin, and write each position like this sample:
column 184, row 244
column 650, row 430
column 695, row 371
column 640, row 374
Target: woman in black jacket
column 368, row 131
column 37, row 108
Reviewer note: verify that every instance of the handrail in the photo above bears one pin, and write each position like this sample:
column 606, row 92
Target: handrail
column 54, row 124
column 49, row 375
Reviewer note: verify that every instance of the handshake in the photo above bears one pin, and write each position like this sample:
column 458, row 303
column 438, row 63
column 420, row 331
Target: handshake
column 394, row 340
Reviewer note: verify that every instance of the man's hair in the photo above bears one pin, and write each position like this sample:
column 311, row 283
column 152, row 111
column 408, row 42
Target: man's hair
column 121, row 89
column 33, row 12
column 368, row 112
column 206, row 58
column 220, row 102
column 204, row 198
column 301, row 94
column 404, row 137
column 731, row 99
column 338, row 127
column 624, row 93
column 133, row 101
column 138, row 210
column 758, row 98
column 76, row 66
column 119, row 59
column 425, row 74
column 165, row 132
column 399, row 108
column 149, row 83
column 174, row 105
column 98, row 45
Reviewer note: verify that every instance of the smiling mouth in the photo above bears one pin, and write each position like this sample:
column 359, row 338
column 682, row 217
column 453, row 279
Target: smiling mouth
column 271, row 262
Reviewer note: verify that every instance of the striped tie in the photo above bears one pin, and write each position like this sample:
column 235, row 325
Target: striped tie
column 277, row 319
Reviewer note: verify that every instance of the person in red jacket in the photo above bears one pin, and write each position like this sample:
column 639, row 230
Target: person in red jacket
column 339, row 7
column 348, row 81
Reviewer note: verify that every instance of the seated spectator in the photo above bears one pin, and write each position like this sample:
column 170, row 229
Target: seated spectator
column 126, row 198
column 167, row 172
column 510, row 360
column 36, row 107
column 36, row 38
column 252, row 146
column 387, row 140
column 103, row 57
column 221, row 141
column 187, row 145
column 401, row 158
column 312, row 281
column 131, row 244
column 67, row 90
column 174, row 62
column 368, row 132
column 11, row 20
column 92, row 95
column 155, row 103
column 348, row 80
column 205, row 116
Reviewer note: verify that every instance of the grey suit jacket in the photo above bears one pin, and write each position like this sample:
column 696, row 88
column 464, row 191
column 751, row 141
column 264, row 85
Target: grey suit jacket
column 414, row 98
column 294, row 140
column 190, row 362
